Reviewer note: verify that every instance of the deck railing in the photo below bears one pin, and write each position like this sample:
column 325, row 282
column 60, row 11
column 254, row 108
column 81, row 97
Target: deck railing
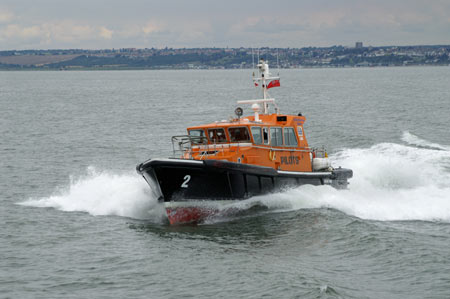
column 183, row 146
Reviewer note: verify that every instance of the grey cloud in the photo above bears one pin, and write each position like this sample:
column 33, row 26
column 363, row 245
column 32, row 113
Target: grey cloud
column 198, row 23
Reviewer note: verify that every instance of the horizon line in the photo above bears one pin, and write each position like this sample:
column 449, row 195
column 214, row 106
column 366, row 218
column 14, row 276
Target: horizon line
column 240, row 47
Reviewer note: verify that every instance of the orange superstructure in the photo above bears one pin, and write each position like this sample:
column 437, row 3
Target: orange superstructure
column 276, row 141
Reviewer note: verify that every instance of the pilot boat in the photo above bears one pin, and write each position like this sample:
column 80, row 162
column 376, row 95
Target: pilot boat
column 234, row 160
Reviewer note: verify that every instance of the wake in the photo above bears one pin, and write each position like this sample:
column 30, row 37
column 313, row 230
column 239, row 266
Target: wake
column 391, row 182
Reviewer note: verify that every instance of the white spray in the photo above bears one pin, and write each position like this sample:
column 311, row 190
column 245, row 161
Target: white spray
column 103, row 193
column 391, row 182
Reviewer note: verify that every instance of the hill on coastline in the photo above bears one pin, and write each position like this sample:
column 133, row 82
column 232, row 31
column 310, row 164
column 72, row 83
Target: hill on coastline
column 212, row 58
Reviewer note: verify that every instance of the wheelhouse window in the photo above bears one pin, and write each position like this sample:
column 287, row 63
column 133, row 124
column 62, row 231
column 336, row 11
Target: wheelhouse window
column 238, row 134
column 276, row 137
column 266, row 135
column 199, row 133
column 217, row 135
column 197, row 136
column 256, row 133
column 289, row 137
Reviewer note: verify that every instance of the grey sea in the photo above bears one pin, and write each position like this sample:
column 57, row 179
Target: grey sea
column 78, row 222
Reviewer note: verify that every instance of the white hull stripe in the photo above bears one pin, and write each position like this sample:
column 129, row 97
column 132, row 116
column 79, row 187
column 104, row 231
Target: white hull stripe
column 181, row 161
column 304, row 173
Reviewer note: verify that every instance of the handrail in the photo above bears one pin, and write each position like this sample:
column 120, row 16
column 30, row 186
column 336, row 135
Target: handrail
column 183, row 144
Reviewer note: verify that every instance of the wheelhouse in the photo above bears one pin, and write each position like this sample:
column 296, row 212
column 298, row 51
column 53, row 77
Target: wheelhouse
column 259, row 134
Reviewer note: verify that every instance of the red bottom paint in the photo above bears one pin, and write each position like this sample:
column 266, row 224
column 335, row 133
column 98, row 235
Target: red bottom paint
column 184, row 215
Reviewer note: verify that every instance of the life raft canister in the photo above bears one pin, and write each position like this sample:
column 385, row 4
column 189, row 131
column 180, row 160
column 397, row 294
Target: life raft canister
column 320, row 164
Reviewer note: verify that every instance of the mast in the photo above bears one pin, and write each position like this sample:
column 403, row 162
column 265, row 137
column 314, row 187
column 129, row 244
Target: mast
column 263, row 80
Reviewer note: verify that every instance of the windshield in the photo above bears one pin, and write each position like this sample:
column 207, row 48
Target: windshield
column 289, row 137
column 256, row 132
column 217, row 135
column 199, row 134
column 276, row 137
column 239, row 134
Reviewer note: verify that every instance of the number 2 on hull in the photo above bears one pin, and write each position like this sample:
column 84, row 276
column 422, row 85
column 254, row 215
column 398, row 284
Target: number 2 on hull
column 186, row 179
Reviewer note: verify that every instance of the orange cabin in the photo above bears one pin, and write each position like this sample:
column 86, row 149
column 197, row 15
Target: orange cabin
column 275, row 140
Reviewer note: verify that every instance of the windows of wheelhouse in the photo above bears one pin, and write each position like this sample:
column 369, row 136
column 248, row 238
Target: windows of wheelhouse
column 289, row 137
column 217, row 135
column 198, row 133
column 257, row 136
column 261, row 135
column 238, row 134
column 197, row 136
column 276, row 136
column 266, row 135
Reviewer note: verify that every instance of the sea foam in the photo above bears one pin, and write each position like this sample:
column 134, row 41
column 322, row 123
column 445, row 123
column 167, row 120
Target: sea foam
column 104, row 193
column 391, row 181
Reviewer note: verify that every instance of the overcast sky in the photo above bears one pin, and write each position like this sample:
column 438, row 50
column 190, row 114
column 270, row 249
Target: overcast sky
column 94, row 24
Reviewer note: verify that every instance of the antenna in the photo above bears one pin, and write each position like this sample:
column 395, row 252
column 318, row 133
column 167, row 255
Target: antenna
column 253, row 60
column 262, row 81
column 278, row 63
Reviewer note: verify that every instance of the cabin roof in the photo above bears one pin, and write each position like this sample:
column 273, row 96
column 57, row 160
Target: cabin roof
column 265, row 120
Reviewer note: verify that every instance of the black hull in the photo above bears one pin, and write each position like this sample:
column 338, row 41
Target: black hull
column 180, row 180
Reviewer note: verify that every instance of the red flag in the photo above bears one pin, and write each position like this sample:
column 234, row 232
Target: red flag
column 273, row 83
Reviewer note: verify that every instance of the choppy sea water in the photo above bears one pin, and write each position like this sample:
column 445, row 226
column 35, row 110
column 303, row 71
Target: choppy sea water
column 77, row 221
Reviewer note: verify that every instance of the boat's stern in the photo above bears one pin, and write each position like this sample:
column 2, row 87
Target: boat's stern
column 340, row 177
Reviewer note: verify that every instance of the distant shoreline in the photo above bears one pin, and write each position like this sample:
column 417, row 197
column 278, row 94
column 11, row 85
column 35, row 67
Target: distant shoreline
column 224, row 58
column 203, row 69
